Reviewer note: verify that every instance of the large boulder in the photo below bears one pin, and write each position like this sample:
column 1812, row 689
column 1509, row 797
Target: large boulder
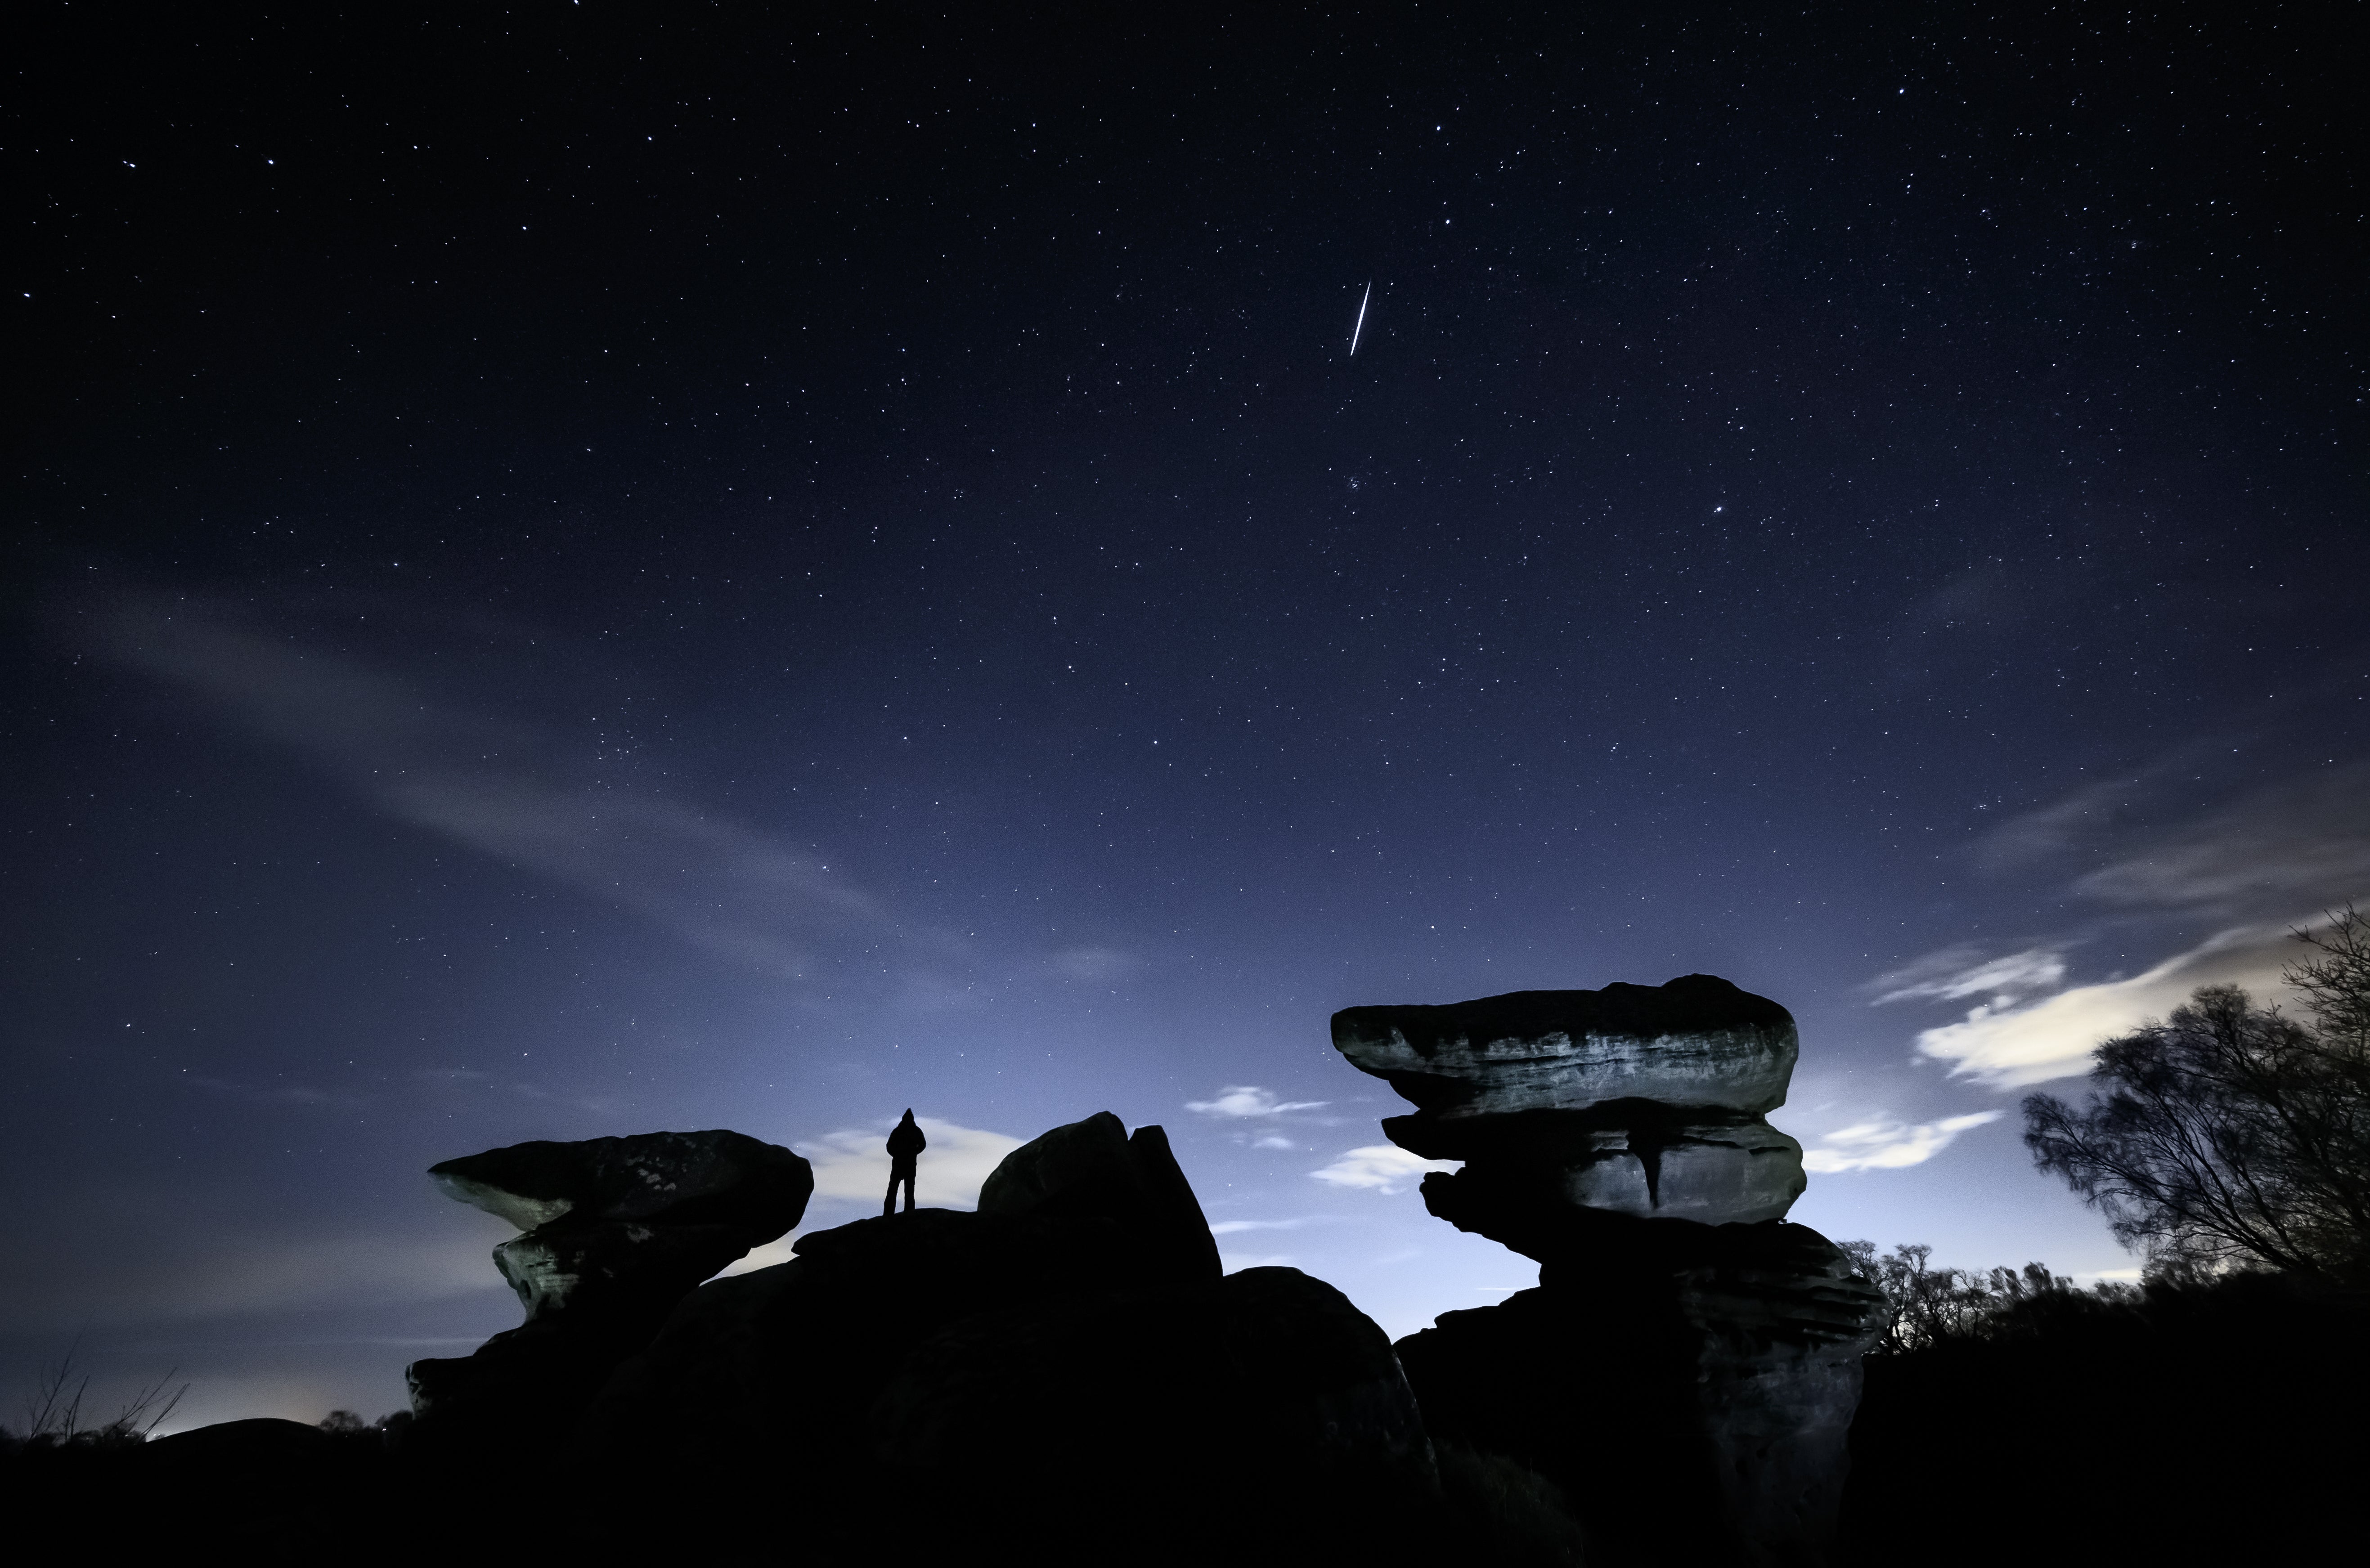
column 1093, row 1168
column 1690, row 1388
column 619, row 1229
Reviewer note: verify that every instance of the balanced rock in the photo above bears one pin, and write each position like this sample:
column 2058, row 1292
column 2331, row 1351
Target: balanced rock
column 1640, row 1099
column 1617, row 1136
column 619, row 1229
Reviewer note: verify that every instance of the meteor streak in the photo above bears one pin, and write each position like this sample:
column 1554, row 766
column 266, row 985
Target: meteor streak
column 1361, row 318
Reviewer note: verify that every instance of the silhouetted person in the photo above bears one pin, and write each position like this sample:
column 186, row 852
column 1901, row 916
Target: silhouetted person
column 905, row 1146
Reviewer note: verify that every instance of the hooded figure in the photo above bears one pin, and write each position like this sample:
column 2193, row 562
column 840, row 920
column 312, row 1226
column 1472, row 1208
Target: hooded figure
column 905, row 1146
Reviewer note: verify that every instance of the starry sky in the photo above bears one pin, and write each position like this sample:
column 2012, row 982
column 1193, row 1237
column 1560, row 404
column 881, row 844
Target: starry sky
column 580, row 569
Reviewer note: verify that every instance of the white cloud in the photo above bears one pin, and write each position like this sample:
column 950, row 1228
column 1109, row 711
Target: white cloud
column 1380, row 1167
column 1956, row 973
column 854, row 1164
column 851, row 1169
column 1230, row 1227
column 1888, row 1146
column 2008, row 1047
column 1249, row 1100
column 1273, row 1141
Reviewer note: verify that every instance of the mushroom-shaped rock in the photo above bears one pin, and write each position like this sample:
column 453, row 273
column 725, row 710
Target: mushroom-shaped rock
column 676, row 1178
column 1697, row 1041
column 618, row 1231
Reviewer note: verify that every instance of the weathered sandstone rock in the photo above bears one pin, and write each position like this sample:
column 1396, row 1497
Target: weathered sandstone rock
column 678, row 1178
column 1696, row 1041
column 618, row 1231
column 1688, row 1368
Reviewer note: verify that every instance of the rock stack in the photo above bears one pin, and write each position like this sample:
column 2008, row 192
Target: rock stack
column 1688, row 1367
column 617, row 1231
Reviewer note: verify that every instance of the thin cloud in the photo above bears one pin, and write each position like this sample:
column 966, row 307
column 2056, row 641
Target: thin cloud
column 509, row 791
column 242, row 1276
column 2008, row 1048
column 1237, row 1100
column 1379, row 1167
column 1956, row 973
column 1888, row 1146
column 2304, row 839
column 1231, row 1227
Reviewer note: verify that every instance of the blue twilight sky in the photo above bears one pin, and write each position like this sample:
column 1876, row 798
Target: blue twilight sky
column 575, row 574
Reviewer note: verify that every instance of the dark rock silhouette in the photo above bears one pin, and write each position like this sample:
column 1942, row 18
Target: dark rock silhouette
column 1094, row 1168
column 1060, row 1363
column 1617, row 1136
column 906, row 1145
column 619, row 1229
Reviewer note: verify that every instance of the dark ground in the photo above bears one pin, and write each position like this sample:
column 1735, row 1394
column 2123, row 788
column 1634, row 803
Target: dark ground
column 2204, row 1426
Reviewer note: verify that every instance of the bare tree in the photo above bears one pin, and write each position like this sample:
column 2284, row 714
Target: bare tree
column 54, row 1413
column 2231, row 1135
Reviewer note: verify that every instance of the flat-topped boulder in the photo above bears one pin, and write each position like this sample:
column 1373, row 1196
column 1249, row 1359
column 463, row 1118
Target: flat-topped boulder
column 677, row 1178
column 1697, row 1040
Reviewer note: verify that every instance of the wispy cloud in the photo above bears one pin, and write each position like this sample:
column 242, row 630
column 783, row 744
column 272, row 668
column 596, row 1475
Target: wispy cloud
column 1956, row 973
column 1249, row 1100
column 2304, row 840
column 241, row 1275
column 2261, row 862
column 1231, row 1227
column 512, row 791
column 1379, row 1167
column 1888, row 1145
column 2008, row 1047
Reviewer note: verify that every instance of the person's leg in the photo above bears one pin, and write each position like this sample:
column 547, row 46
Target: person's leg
column 889, row 1204
column 909, row 1192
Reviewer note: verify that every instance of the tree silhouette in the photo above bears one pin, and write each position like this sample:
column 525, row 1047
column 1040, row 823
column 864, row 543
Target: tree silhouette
column 2231, row 1135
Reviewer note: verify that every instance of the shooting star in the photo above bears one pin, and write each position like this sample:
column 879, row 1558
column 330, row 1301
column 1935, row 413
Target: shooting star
column 1361, row 318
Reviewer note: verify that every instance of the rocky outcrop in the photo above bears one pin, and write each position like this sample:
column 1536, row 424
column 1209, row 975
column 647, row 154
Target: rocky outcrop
column 618, row 1231
column 1063, row 1368
column 1688, row 1367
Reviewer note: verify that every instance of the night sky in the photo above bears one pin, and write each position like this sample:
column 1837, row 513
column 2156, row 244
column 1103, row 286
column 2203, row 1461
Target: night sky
column 583, row 570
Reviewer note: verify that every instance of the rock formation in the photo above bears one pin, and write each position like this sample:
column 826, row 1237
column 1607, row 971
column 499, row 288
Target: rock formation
column 617, row 1231
column 1063, row 1367
column 1640, row 1100
column 1688, row 1367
